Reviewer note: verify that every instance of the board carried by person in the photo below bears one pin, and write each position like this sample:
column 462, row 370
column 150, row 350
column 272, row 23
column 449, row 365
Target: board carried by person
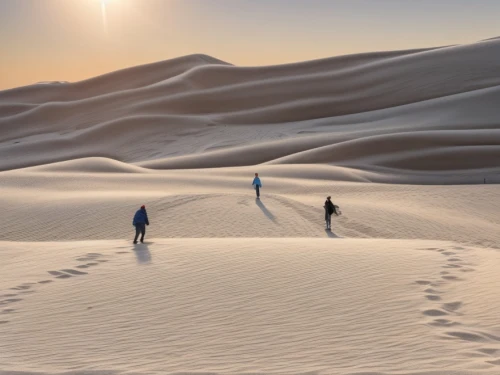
column 337, row 210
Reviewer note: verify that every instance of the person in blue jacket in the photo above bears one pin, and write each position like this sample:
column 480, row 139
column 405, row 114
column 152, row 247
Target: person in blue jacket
column 257, row 184
column 140, row 221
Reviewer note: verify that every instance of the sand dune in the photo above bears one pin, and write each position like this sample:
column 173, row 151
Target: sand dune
column 126, row 79
column 404, row 284
column 129, row 114
column 221, row 203
column 89, row 165
column 430, row 150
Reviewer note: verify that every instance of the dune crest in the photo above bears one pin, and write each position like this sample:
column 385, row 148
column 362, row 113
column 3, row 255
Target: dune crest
column 428, row 110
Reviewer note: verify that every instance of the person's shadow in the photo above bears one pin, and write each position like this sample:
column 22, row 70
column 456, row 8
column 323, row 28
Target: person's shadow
column 142, row 253
column 265, row 210
column 330, row 234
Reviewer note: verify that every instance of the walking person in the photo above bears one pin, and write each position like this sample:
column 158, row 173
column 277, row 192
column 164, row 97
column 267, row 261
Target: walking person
column 140, row 221
column 330, row 209
column 257, row 184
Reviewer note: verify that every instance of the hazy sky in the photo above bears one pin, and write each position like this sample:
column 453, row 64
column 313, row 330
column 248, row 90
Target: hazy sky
column 44, row 40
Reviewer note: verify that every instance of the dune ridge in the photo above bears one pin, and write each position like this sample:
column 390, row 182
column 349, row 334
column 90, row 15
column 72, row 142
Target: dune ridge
column 121, row 80
column 253, row 115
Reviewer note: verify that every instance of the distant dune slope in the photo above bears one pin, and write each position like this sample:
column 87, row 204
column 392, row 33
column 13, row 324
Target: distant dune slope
column 427, row 110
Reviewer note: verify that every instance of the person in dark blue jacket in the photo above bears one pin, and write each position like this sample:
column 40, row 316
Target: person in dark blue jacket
column 257, row 184
column 140, row 221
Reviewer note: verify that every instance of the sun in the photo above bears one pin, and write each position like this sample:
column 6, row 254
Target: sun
column 104, row 4
column 104, row 15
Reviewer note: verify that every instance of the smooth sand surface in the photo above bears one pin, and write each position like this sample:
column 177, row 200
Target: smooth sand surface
column 406, row 282
column 250, row 306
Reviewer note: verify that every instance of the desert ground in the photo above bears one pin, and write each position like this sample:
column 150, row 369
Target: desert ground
column 407, row 143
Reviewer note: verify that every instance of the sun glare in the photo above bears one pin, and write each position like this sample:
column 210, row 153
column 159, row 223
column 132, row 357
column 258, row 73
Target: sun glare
column 104, row 15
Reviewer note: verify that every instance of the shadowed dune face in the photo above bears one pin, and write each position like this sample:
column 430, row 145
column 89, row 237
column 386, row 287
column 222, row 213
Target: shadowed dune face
column 431, row 112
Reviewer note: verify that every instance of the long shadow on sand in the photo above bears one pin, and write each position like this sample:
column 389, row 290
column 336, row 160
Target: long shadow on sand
column 264, row 209
column 142, row 253
column 330, row 234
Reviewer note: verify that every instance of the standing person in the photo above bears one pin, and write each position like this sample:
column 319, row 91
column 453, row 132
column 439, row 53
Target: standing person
column 329, row 211
column 140, row 221
column 256, row 182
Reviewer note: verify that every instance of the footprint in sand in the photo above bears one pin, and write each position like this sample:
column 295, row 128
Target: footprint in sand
column 444, row 323
column 89, row 256
column 452, row 306
column 21, row 287
column 423, row 282
column 452, row 278
column 467, row 270
column 432, row 291
column 9, row 301
column 55, row 273
column 66, row 273
column 452, row 266
column 434, row 312
column 63, row 276
column 74, row 272
column 433, row 298
column 454, row 260
column 448, row 253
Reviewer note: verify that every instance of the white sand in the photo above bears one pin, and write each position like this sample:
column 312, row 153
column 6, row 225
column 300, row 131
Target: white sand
column 406, row 282
column 258, row 305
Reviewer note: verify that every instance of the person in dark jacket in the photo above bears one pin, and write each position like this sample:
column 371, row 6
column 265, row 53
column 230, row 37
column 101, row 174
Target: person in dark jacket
column 330, row 209
column 140, row 221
